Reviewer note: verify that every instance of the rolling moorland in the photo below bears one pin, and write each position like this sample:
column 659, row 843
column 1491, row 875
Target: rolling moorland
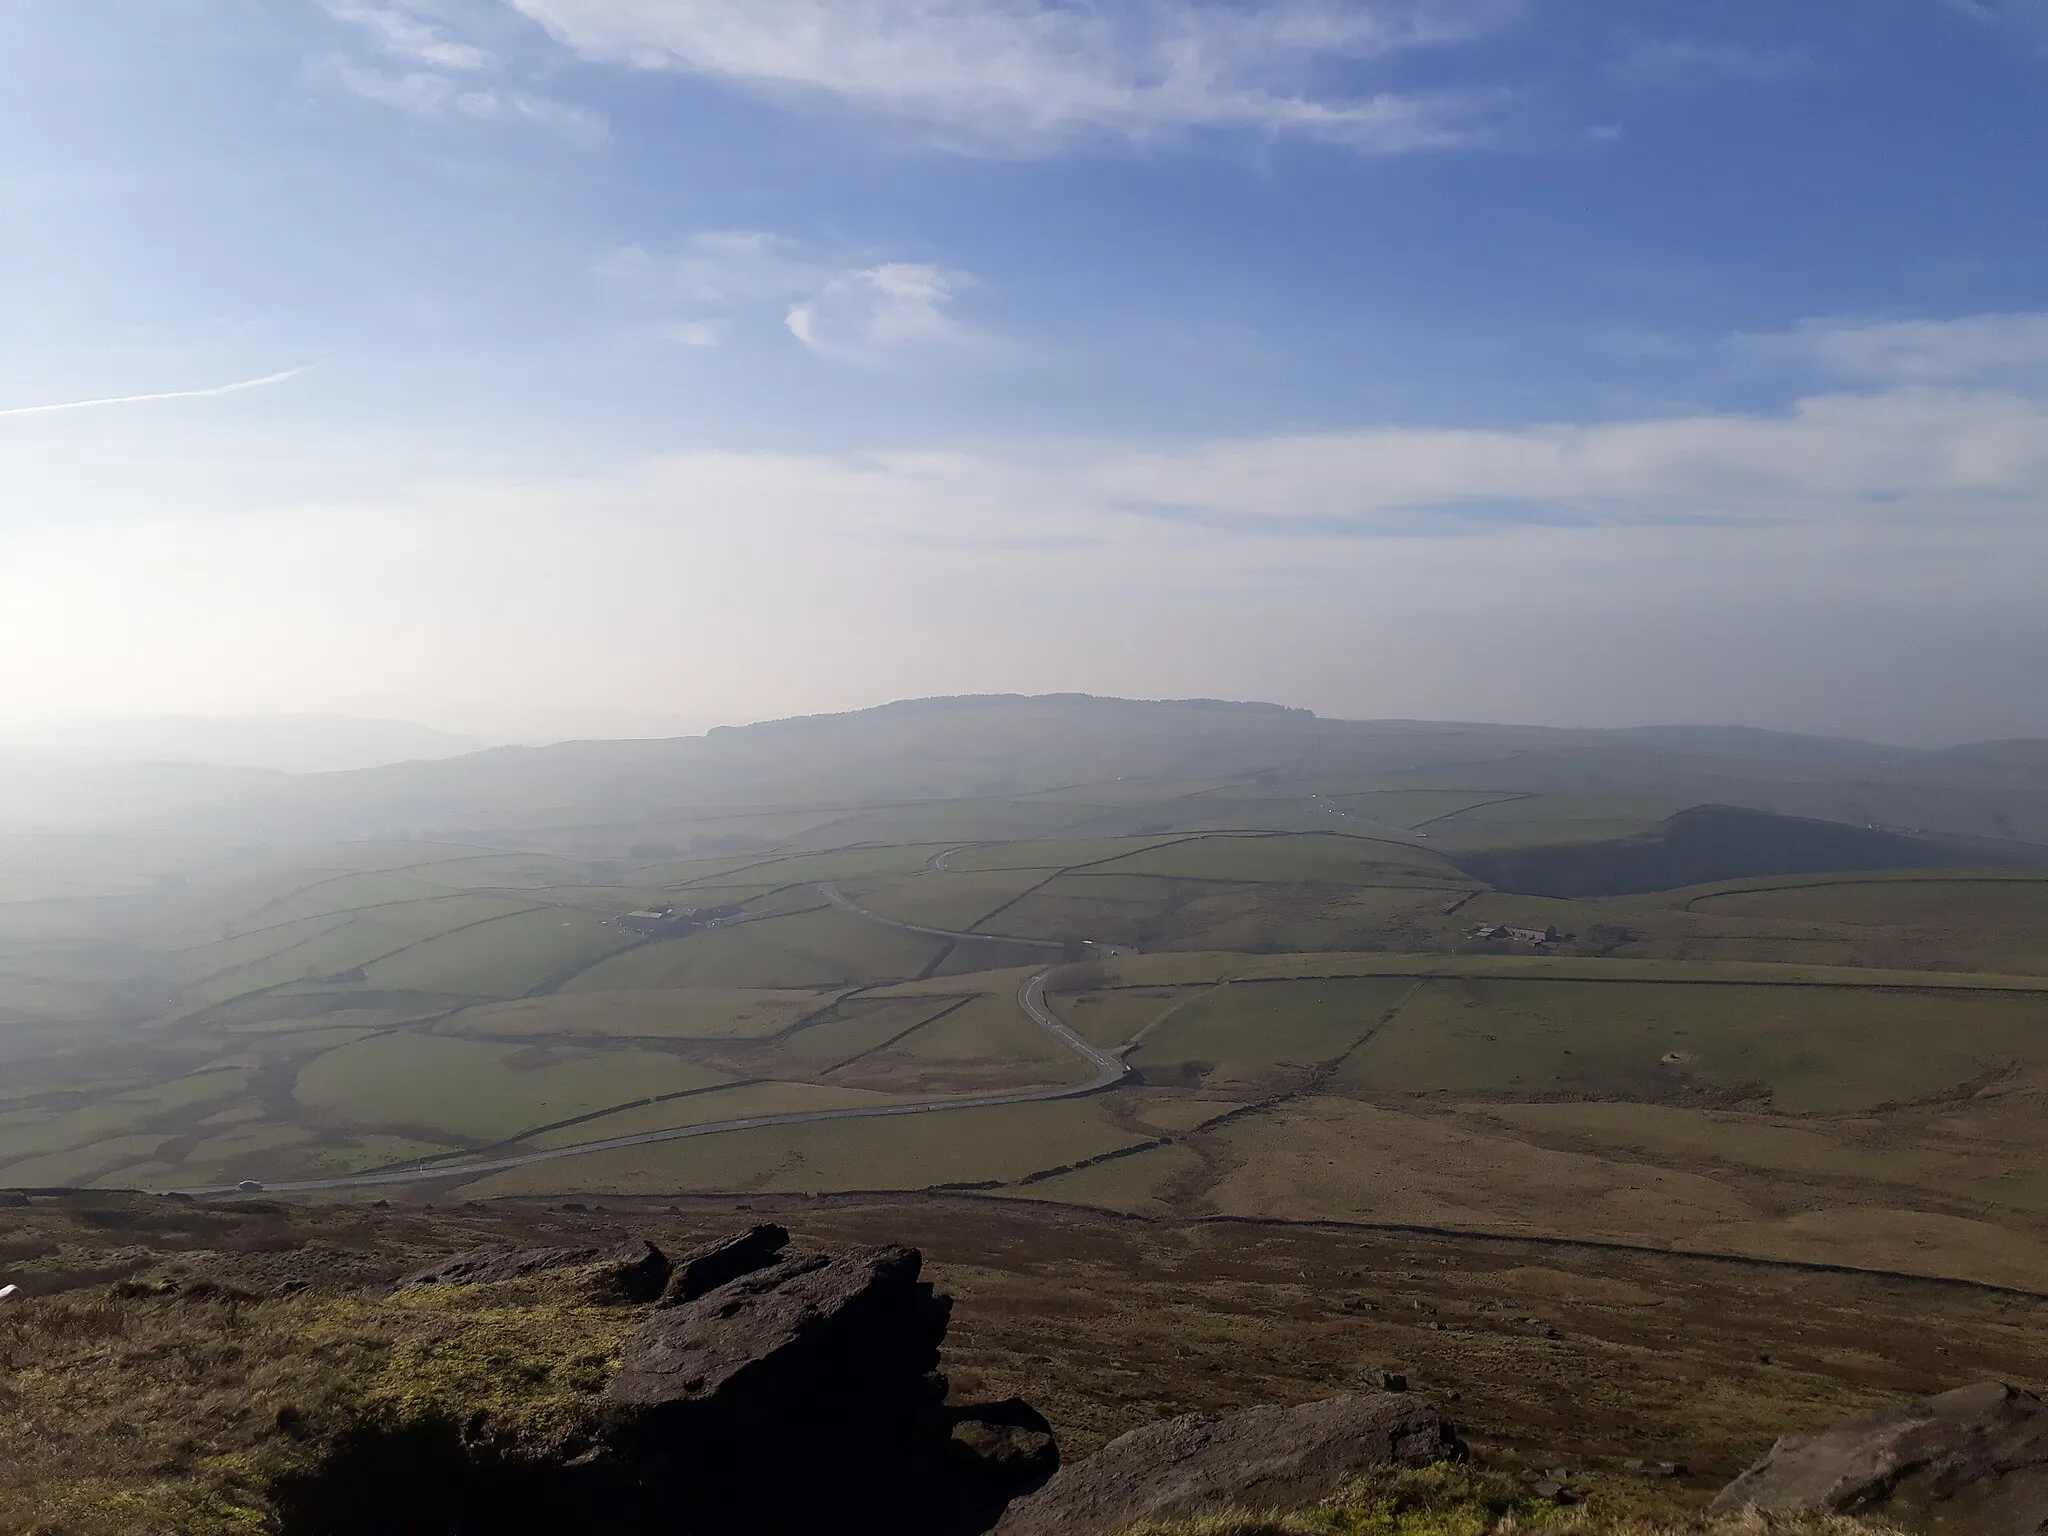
column 1666, row 1089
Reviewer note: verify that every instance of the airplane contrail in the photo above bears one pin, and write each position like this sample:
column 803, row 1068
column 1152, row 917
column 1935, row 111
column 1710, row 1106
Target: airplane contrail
column 169, row 394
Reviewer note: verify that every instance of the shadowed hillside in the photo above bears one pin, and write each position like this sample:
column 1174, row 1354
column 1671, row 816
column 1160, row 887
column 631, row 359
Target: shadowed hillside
column 1702, row 845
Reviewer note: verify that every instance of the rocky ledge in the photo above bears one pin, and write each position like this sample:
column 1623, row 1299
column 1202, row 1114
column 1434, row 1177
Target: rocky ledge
column 769, row 1389
column 773, row 1389
column 1973, row 1460
column 1261, row 1458
column 754, row 1385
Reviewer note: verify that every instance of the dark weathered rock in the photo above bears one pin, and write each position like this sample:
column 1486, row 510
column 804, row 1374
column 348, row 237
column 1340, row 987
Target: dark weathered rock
column 1008, row 1452
column 634, row 1271
column 1975, row 1459
column 1643, row 1468
column 801, row 1395
column 810, row 1325
column 705, row 1268
column 999, row 1452
column 1262, row 1458
column 806, row 1393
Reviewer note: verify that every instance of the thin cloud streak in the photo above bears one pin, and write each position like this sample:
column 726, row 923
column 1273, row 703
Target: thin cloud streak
column 1963, row 349
column 1022, row 77
column 169, row 394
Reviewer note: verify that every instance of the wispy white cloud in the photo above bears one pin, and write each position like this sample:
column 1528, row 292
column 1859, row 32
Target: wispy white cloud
column 839, row 308
column 1892, row 456
column 418, row 92
column 168, row 394
column 576, row 124
column 427, row 94
column 722, row 266
column 408, row 35
column 697, row 333
column 432, row 75
column 735, row 265
column 1021, row 76
column 2029, row 18
column 1971, row 348
column 879, row 313
column 1679, row 63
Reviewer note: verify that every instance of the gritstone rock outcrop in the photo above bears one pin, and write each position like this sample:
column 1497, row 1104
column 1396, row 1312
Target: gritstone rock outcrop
column 1261, row 1458
column 1975, row 1460
column 805, row 1394
column 798, row 1393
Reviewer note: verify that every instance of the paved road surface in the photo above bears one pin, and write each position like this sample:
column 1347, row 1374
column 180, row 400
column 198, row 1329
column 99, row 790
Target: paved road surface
column 1108, row 1069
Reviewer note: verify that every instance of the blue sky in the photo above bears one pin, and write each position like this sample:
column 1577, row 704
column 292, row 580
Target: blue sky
column 645, row 360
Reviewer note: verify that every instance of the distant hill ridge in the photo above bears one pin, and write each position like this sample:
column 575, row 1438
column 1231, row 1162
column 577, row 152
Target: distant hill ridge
column 279, row 743
column 969, row 702
column 1004, row 746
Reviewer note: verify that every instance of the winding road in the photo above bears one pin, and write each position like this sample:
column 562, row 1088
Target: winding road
column 1109, row 1071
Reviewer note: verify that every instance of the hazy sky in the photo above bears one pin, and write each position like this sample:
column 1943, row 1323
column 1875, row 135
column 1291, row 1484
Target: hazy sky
column 475, row 361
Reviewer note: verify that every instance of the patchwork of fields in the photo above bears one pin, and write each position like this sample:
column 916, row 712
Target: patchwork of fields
column 1846, row 1068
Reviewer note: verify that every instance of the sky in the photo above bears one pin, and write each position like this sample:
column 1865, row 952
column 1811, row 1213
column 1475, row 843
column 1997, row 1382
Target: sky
column 549, row 367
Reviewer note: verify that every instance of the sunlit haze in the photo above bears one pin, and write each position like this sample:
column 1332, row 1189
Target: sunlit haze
column 530, row 368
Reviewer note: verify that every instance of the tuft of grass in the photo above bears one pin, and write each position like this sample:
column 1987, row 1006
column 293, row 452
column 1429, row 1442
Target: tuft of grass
column 168, row 1414
column 1462, row 1501
column 1428, row 1501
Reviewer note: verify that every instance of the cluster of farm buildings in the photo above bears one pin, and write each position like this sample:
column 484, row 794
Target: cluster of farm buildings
column 1535, row 938
column 667, row 921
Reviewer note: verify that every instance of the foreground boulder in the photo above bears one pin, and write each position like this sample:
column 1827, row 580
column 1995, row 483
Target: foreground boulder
column 1261, row 1458
column 1973, row 1460
column 814, row 1334
column 806, row 1395
column 798, row 1396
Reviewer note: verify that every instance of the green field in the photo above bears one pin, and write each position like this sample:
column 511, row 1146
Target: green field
column 1245, row 1031
column 900, row 1152
column 734, row 1103
column 693, row 1013
column 1111, row 1017
column 818, row 948
column 984, row 1037
column 480, row 1092
column 943, row 899
column 1262, row 859
column 1516, row 820
column 500, row 957
column 1801, row 1049
column 854, row 1029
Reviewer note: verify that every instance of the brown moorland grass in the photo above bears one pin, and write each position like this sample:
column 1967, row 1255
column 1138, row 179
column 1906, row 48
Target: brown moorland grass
column 183, row 1413
column 1547, row 1355
column 1459, row 1501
